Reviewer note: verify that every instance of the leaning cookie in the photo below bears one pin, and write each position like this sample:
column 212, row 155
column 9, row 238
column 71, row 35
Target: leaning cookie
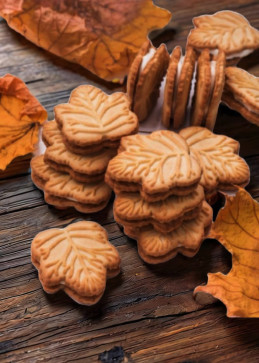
column 222, row 167
column 62, row 191
column 150, row 73
column 77, row 259
column 83, row 168
column 241, row 93
column 93, row 120
column 156, row 247
column 225, row 30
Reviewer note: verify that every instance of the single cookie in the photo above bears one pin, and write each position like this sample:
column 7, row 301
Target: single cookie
column 241, row 93
column 156, row 163
column 160, row 227
column 202, row 89
column 186, row 67
column 77, row 259
column 218, row 158
column 155, row 247
column 225, row 30
column 149, row 80
column 93, row 119
column 87, row 168
column 170, row 86
column 84, row 197
column 130, row 208
column 218, row 81
column 133, row 75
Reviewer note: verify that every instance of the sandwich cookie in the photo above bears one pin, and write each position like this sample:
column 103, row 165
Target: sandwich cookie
column 227, row 31
column 241, row 93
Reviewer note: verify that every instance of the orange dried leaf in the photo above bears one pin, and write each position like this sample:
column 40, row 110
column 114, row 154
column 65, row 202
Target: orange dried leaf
column 102, row 36
column 237, row 228
column 20, row 117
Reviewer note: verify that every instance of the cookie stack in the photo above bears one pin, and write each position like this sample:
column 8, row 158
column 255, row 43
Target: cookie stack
column 159, row 181
column 79, row 144
column 159, row 200
column 186, row 89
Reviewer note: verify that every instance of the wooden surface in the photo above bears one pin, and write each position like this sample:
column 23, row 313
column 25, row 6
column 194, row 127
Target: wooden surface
column 148, row 311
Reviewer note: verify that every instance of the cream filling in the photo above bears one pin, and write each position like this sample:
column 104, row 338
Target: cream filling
column 212, row 84
column 179, row 70
column 147, row 58
column 191, row 95
column 241, row 54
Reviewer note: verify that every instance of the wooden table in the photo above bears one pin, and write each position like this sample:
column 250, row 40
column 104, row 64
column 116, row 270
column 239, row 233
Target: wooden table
column 147, row 312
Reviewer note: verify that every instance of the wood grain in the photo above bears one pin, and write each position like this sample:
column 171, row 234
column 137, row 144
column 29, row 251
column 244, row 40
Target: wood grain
column 147, row 310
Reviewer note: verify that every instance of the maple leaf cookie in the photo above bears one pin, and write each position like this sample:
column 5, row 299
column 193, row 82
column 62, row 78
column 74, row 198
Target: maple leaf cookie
column 77, row 259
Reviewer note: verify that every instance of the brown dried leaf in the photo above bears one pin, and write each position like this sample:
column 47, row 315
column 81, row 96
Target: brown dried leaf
column 237, row 228
column 103, row 36
column 20, row 117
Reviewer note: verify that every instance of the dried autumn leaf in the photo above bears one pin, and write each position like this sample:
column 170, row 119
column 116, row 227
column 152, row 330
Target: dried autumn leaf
column 237, row 228
column 20, row 117
column 102, row 36
column 77, row 259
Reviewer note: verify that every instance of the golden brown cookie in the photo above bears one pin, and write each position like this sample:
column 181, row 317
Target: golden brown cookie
column 133, row 75
column 170, row 86
column 83, row 168
column 185, row 72
column 156, row 163
column 77, row 259
column 241, row 93
column 218, row 158
column 93, row 120
column 149, row 80
column 225, row 30
column 202, row 88
column 130, row 209
column 218, row 68
column 156, row 247
column 84, row 197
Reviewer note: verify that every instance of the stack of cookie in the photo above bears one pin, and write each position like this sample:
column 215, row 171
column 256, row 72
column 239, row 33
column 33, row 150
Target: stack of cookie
column 80, row 142
column 187, row 89
column 159, row 201
column 159, row 181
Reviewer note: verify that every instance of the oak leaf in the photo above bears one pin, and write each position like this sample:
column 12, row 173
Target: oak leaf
column 102, row 36
column 76, row 259
column 226, row 30
column 20, row 117
column 237, row 229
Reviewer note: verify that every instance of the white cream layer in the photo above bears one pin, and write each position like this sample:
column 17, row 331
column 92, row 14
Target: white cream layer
column 147, row 58
column 241, row 54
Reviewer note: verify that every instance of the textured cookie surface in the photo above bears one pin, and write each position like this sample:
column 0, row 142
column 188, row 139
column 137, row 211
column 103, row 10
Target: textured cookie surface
column 202, row 89
column 131, row 207
column 226, row 30
column 157, row 162
column 217, row 156
column 63, row 186
column 80, row 167
column 170, row 86
column 183, row 87
column 155, row 247
column 244, row 87
column 76, row 259
column 219, row 81
column 147, row 88
column 93, row 117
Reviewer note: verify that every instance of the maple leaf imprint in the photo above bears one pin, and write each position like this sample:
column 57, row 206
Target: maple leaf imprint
column 78, row 257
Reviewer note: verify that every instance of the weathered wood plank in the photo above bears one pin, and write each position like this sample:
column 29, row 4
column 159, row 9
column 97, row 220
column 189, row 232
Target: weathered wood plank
column 148, row 310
